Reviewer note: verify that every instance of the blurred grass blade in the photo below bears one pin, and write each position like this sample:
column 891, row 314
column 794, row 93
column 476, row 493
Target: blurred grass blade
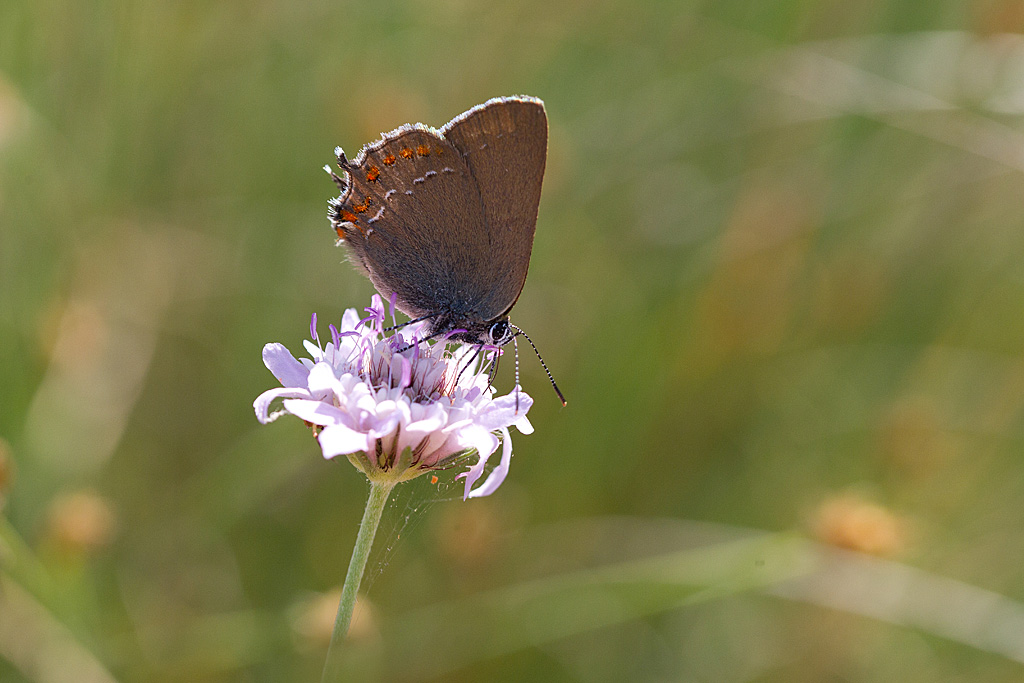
column 39, row 646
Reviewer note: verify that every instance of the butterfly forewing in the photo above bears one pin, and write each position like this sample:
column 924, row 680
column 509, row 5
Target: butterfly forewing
column 504, row 143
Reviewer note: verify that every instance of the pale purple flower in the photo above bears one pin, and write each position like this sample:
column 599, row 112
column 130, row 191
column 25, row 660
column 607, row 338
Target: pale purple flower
column 395, row 408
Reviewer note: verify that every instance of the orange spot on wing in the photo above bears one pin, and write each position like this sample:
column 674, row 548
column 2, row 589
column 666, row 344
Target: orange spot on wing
column 351, row 219
column 373, row 174
column 389, row 159
column 433, row 479
column 359, row 208
column 422, row 150
column 406, row 153
column 438, row 151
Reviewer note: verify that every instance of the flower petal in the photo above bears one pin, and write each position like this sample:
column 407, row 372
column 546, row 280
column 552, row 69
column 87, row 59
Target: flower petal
column 322, row 381
column 431, row 418
column 502, row 412
column 340, row 440
column 317, row 412
column 524, row 425
column 262, row 403
column 349, row 320
column 484, row 443
column 288, row 371
column 499, row 473
column 313, row 350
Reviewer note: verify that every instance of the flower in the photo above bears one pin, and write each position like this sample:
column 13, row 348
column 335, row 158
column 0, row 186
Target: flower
column 396, row 406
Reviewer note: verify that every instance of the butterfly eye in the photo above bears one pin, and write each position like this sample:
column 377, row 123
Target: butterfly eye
column 500, row 333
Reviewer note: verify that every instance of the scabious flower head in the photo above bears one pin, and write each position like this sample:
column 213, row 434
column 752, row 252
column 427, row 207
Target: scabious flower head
column 394, row 405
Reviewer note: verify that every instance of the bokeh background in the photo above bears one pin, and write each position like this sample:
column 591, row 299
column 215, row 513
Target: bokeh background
column 778, row 273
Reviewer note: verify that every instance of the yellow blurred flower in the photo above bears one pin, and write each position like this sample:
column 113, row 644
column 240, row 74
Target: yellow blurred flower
column 849, row 521
column 80, row 523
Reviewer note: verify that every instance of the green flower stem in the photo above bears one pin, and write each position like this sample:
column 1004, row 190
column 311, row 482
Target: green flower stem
column 379, row 493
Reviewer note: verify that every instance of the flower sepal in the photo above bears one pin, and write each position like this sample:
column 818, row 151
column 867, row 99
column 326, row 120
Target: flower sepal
column 402, row 469
column 405, row 468
column 362, row 462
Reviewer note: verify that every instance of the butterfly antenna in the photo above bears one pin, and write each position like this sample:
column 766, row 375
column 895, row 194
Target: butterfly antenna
column 407, row 323
column 542, row 364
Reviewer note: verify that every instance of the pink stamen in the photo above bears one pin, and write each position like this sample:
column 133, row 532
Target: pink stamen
column 393, row 304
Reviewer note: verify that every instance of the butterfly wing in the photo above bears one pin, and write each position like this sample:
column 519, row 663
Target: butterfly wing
column 504, row 142
column 412, row 215
column 445, row 219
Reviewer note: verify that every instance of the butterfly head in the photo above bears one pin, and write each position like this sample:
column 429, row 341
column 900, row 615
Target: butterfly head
column 489, row 333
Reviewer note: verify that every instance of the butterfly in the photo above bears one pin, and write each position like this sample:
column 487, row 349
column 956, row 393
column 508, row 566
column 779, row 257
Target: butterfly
column 442, row 220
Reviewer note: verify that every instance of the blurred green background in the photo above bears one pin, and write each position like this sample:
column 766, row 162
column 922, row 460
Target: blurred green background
column 778, row 273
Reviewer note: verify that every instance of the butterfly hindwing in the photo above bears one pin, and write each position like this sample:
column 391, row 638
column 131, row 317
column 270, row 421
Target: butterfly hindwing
column 504, row 142
column 414, row 219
